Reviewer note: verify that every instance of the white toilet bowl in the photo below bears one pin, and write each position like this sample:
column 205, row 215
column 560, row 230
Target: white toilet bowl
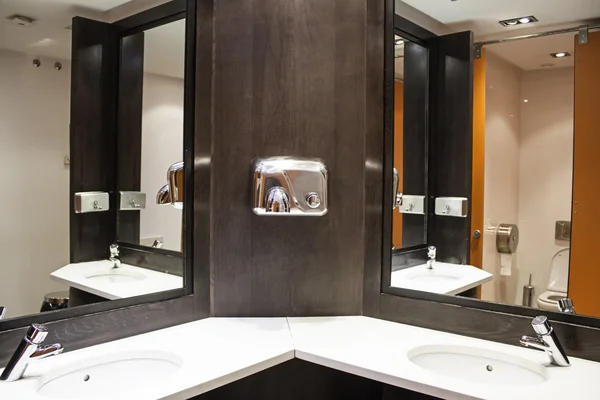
column 549, row 300
column 557, row 282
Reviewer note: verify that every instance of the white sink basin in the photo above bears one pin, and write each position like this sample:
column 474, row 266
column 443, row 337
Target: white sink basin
column 116, row 276
column 478, row 365
column 444, row 278
column 101, row 377
column 433, row 278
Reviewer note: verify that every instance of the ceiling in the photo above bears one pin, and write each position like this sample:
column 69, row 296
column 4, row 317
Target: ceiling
column 482, row 16
column 532, row 54
column 49, row 36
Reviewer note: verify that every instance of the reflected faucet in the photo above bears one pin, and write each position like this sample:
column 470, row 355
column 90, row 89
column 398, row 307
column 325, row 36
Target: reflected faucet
column 29, row 349
column 431, row 253
column 566, row 306
column 546, row 340
column 278, row 200
column 114, row 255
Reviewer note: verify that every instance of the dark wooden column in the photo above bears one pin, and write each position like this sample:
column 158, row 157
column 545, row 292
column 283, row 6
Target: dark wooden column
column 94, row 75
column 288, row 78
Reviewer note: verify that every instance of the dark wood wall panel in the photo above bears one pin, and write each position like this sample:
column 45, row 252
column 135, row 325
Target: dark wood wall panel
column 577, row 340
column 129, row 133
column 96, row 328
column 290, row 80
column 94, row 75
column 301, row 380
column 379, row 127
column 451, row 139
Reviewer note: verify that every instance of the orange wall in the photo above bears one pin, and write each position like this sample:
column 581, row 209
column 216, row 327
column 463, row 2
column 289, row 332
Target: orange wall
column 477, row 190
column 398, row 153
column 584, row 271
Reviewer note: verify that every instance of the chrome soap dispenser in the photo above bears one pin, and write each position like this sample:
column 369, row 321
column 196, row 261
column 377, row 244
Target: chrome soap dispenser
column 289, row 186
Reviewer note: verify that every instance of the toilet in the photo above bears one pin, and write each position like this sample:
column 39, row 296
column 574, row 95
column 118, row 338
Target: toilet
column 557, row 284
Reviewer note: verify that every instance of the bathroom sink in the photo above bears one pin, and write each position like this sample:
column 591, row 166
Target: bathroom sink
column 116, row 276
column 478, row 365
column 101, row 377
column 433, row 278
column 443, row 278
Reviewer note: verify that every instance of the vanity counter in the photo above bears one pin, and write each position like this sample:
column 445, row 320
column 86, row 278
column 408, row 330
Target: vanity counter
column 101, row 279
column 217, row 351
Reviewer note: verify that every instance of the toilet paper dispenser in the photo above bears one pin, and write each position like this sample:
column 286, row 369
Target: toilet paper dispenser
column 507, row 238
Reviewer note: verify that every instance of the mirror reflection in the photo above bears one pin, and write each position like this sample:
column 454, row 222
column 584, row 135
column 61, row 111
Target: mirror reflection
column 411, row 64
column 59, row 234
column 161, row 144
column 531, row 183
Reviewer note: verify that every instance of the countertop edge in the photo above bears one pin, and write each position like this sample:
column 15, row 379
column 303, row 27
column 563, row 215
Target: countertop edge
column 383, row 377
column 231, row 377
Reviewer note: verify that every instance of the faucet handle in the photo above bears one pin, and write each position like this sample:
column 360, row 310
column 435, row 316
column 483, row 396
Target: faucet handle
column 541, row 325
column 36, row 333
column 431, row 252
column 114, row 250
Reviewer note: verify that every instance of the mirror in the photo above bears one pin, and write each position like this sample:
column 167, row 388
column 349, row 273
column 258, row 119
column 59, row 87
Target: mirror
column 531, row 213
column 58, row 126
column 411, row 63
column 158, row 133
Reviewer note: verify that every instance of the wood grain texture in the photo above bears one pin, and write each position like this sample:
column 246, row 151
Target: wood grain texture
column 167, row 261
column 578, row 341
column 129, row 132
column 289, row 79
column 199, row 119
column 583, row 272
column 94, row 75
column 299, row 380
column 450, row 148
column 379, row 126
column 415, row 175
column 88, row 330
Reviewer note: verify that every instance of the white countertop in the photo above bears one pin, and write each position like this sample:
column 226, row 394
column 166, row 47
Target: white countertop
column 218, row 351
column 444, row 278
column 77, row 275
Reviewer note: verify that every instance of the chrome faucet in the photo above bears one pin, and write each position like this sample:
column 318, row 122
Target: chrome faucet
column 278, row 200
column 566, row 306
column 114, row 255
column 2, row 312
column 431, row 253
column 546, row 340
column 29, row 349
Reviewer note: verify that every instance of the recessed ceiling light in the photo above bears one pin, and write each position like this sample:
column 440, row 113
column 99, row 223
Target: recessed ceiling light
column 560, row 54
column 518, row 21
column 525, row 101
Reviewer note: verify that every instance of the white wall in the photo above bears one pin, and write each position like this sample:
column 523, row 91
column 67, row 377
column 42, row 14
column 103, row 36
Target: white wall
column 34, row 212
column 162, row 145
column 546, row 170
column 502, row 130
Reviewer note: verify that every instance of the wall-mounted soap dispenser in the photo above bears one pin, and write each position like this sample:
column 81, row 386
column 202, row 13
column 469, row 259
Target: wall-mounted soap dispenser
column 289, row 186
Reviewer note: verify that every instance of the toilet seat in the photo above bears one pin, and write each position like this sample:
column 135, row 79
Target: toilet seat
column 549, row 300
column 557, row 282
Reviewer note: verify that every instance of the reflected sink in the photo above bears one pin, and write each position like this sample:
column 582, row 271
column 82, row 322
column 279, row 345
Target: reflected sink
column 118, row 275
column 101, row 377
column 478, row 365
column 433, row 278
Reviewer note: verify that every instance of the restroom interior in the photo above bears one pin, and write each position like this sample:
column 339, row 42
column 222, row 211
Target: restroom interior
column 279, row 305
column 529, row 104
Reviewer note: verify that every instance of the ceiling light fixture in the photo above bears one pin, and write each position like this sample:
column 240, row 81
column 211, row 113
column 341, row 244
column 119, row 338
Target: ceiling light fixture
column 560, row 54
column 518, row 21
